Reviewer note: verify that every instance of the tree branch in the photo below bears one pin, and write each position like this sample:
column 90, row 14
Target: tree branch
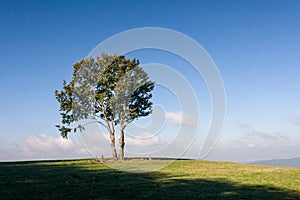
column 105, row 116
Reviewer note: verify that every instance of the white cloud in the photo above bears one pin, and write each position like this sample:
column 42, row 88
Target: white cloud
column 242, row 124
column 294, row 120
column 146, row 139
column 253, row 152
column 98, row 143
column 43, row 147
column 181, row 118
column 282, row 135
column 251, row 145
column 262, row 134
column 273, row 136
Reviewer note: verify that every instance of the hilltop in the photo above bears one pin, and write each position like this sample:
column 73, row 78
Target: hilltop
column 183, row 179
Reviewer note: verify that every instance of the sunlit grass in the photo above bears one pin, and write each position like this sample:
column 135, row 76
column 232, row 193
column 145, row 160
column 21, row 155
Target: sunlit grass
column 182, row 179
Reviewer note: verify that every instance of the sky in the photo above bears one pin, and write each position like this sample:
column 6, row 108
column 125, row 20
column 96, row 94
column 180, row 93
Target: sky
column 254, row 44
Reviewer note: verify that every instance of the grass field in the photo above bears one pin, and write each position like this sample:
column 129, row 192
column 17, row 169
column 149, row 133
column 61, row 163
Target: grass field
column 183, row 179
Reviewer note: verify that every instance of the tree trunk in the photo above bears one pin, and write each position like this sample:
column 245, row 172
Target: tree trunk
column 121, row 143
column 113, row 146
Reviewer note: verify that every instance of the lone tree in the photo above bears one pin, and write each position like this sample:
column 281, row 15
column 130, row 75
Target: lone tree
column 110, row 90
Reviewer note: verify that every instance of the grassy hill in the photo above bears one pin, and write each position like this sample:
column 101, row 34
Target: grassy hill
column 183, row 179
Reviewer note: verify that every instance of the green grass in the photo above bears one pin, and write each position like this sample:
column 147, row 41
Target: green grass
column 183, row 179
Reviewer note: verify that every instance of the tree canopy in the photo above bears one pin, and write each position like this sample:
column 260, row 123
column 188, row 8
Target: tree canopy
column 110, row 90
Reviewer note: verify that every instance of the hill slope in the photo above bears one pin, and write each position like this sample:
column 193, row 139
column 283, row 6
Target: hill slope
column 293, row 162
column 183, row 179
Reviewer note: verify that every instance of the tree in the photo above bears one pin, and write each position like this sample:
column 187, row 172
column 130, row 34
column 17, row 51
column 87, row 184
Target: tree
column 110, row 90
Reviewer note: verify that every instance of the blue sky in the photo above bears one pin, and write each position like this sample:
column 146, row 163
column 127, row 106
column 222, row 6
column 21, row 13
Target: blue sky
column 255, row 45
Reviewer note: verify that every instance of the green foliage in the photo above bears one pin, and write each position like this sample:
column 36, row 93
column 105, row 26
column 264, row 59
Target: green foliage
column 109, row 90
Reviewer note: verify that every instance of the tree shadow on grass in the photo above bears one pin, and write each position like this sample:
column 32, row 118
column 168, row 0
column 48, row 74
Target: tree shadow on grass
column 33, row 180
